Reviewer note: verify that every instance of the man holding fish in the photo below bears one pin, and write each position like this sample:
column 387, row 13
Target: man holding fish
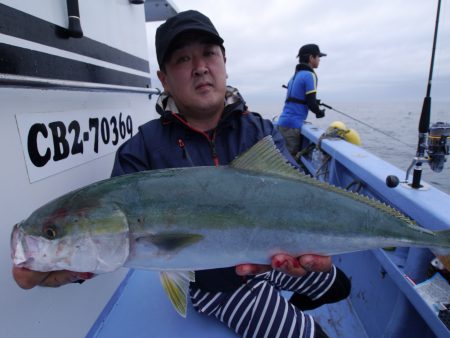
column 204, row 122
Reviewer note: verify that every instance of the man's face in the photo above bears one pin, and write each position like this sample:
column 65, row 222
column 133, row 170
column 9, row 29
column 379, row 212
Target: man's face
column 314, row 61
column 195, row 76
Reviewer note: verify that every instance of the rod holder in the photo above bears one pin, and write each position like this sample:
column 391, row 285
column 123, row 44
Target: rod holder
column 74, row 29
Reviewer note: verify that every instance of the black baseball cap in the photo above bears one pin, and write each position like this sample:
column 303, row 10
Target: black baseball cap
column 182, row 22
column 310, row 49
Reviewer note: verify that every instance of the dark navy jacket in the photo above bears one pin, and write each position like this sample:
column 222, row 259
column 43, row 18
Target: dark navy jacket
column 169, row 142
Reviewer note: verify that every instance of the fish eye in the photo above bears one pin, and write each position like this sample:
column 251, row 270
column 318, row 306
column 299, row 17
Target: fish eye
column 50, row 232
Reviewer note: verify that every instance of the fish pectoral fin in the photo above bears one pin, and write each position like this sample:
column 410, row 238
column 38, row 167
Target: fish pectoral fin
column 176, row 286
column 171, row 242
column 265, row 158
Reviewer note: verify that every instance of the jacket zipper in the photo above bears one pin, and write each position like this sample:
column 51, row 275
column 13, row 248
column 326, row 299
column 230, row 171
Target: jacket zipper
column 212, row 144
column 211, row 141
column 185, row 152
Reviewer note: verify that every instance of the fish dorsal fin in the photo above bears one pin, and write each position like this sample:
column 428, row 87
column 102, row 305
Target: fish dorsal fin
column 176, row 285
column 265, row 158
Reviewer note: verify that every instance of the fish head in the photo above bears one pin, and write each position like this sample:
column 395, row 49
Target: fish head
column 88, row 240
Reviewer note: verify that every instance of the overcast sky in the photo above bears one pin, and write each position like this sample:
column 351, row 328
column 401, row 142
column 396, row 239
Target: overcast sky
column 378, row 50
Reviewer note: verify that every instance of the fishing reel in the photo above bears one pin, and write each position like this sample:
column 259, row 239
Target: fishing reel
column 438, row 145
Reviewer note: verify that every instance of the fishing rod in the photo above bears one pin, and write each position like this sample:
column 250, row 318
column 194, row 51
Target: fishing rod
column 367, row 125
column 432, row 140
column 359, row 121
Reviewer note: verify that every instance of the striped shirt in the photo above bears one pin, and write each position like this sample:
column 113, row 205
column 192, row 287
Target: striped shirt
column 258, row 309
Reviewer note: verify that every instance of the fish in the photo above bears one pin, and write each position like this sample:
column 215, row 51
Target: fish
column 180, row 220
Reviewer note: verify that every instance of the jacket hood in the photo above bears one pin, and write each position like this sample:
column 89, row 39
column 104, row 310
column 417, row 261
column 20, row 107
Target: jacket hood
column 233, row 102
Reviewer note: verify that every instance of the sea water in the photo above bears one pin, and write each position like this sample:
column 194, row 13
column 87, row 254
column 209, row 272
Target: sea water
column 390, row 131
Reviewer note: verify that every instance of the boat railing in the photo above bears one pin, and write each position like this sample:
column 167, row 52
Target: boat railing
column 43, row 83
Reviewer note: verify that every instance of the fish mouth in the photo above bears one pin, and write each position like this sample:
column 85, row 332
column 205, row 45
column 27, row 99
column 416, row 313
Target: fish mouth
column 18, row 250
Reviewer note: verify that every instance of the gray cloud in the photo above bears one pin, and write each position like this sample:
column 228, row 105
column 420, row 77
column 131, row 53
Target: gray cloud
column 377, row 50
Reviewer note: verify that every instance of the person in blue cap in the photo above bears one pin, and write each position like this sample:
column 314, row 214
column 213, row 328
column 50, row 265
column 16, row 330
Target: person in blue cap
column 301, row 97
column 204, row 122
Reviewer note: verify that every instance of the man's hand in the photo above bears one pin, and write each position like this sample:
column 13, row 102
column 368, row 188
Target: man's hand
column 28, row 279
column 293, row 266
